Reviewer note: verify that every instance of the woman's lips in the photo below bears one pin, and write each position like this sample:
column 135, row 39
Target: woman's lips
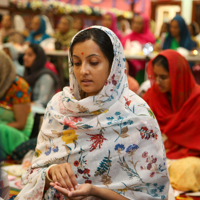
column 86, row 82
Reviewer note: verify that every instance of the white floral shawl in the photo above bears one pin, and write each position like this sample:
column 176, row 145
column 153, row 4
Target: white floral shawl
column 112, row 140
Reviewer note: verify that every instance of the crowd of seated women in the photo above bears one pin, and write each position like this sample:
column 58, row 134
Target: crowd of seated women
column 173, row 98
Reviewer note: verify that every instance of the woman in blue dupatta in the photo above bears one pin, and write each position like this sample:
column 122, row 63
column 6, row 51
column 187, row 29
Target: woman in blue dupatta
column 37, row 34
column 179, row 35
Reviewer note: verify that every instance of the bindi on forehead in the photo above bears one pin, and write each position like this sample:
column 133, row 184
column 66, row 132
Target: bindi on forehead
column 82, row 53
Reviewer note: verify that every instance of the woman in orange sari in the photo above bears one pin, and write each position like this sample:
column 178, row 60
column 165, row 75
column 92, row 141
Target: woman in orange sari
column 174, row 98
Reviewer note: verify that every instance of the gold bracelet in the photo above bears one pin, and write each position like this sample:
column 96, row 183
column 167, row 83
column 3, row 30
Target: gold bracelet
column 47, row 170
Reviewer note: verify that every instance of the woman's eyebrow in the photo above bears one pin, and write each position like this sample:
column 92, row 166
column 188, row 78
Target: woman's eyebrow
column 75, row 56
column 87, row 56
column 93, row 55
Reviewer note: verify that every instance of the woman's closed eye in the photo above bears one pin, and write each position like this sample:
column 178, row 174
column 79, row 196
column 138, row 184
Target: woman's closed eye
column 94, row 63
column 77, row 64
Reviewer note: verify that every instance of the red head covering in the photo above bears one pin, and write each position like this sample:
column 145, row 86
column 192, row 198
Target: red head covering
column 180, row 120
column 113, row 27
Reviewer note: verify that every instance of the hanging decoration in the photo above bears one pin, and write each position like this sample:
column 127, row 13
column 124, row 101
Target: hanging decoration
column 64, row 7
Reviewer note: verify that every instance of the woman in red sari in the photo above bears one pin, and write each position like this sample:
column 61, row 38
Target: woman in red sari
column 174, row 98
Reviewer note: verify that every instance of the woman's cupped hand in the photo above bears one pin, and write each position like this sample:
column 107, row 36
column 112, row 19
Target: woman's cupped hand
column 64, row 181
column 81, row 192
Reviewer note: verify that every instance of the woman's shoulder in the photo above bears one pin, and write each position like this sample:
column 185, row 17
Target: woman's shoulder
column 45, row 79
column 19, row 91
column 19, row 84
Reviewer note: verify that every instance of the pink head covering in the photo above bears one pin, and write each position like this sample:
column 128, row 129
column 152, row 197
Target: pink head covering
column 114, row 25
column 144, row 37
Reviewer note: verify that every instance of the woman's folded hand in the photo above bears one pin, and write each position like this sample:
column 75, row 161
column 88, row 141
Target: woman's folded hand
column 64, row 175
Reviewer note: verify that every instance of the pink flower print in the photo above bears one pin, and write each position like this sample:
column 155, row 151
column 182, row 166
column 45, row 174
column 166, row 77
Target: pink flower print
column 114, row 82
column 141, row 167
column 88, row 181
column 86, row 171
column 147, row 160
column 76, row 119
column 69, row 123
column 154, row 160
column 152, row 174
column 145, row 154
column 149, row 166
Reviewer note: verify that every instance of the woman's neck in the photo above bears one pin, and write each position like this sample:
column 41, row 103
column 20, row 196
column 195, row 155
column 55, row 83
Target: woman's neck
column 38, row 36
column 177, row 38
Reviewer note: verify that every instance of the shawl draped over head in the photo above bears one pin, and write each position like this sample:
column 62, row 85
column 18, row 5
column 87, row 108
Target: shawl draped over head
column 37, row 69
column 113, row 27
column 14, row 56
column 112, row 140
column 127, row 27
column 41, row 30
column 185, row 37
column 7, row 73
column 180, row 120
column 66, row 38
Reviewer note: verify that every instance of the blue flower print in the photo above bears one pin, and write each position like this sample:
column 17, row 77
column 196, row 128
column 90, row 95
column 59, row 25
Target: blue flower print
column 131, row 149
column 119, row 148
column 50, row 121
column 117, row 113
column 110, row 118
column 19, row 94
column 161, row 188
column 163, row 197
column 48, row 151
column 153, row 191
column 55, row 149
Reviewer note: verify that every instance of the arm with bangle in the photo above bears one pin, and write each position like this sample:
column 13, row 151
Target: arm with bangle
column 71, row 189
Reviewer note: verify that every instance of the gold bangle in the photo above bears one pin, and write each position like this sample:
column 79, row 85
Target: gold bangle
column 47, row 170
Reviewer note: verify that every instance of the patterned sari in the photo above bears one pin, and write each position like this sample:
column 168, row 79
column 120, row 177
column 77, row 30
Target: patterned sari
column 112, row 140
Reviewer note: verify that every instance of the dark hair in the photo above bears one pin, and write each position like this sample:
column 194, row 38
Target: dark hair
column 100, row 38
column 194, row 29
column 35, row 48
column 161, row 60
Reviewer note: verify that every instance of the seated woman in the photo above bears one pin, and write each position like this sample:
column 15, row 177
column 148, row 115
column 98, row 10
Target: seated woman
column 43, row 82
column 13, row 54
column 110, row 21
column 8, row 33
column 179, row 35
column 174, row 98
column 97, row 136
column 16, row 121
column 142, row 34
column 65, row 32
column 78, row 24
column 37, row 34
column 125, row 27
column 194, row 32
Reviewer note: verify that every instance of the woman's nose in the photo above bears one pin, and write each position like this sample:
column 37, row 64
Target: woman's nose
column 84, row 69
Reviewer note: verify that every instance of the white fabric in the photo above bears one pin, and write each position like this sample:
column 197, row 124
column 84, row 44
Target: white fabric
column 19, row 23
column 49, row 28
column 4, row 185
column 111, row 140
